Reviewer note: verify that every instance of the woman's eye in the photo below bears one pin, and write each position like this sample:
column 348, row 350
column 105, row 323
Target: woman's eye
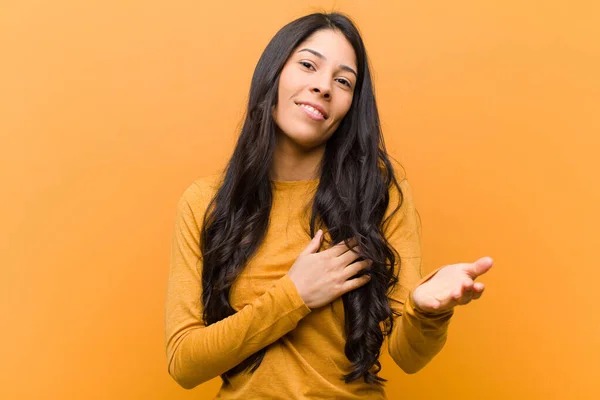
column 306, row 64
column 344, row 82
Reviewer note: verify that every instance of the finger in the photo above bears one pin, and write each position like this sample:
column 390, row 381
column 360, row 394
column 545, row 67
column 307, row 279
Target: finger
column 314, row 245
column 341, row 248
column 456, row 295
column 467, row 284
column 355, row 268
column 349, row 256
column 477, row 295
column 478, row 287
column 479, row 267
column 355, row 283
column 465, row 298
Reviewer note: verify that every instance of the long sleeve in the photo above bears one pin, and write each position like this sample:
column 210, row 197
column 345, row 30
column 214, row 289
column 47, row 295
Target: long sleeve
column 416, row 337
column 195, row 352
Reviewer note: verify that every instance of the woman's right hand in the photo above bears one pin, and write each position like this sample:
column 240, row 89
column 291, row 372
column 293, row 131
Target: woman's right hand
column 321, row 277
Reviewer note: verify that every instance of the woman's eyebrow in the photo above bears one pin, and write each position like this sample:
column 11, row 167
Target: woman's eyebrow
column 342, row 66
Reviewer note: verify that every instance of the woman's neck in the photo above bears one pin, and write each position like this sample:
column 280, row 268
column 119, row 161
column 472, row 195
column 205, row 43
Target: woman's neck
column 291, row 163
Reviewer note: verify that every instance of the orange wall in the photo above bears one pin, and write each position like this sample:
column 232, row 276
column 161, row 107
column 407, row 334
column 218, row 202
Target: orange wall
column 109, row 109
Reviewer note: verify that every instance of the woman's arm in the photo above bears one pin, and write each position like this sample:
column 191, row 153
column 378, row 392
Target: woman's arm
column 416, row 336
column 195, row 352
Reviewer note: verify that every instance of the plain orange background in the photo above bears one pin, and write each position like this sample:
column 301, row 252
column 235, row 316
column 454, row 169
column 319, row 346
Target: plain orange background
column 110, row 109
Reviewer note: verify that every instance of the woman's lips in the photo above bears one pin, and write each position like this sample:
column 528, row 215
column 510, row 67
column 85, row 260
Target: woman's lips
column 312, row 115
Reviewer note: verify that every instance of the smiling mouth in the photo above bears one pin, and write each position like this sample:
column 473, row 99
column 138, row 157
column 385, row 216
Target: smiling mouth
column 312, row 111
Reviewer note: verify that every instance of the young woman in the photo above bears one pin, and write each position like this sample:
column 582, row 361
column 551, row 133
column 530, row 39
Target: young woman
column 251, row 297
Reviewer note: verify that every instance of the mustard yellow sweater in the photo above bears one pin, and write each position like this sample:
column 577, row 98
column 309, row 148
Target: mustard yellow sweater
column 305, row 356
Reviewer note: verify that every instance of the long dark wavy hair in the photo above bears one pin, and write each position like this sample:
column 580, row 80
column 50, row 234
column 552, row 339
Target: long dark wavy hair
column 351, row 200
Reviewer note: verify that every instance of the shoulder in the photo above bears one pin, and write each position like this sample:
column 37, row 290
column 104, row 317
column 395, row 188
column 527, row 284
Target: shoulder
column 196, row 197
column 401, row 217
column 401, row 194
column 203, row 187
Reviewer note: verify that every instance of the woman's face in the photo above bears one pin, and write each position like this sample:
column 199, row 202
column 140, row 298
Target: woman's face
column 315, row 89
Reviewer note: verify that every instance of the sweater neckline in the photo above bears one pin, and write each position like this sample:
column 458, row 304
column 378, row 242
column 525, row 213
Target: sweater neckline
column 282, row 185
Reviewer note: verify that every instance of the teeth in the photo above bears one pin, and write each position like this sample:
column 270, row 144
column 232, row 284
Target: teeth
column 311, row 109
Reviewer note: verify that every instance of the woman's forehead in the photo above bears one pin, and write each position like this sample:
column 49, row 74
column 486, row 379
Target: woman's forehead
column 330, row 45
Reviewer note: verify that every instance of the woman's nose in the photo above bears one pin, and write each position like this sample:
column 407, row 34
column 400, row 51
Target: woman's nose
column 322, row 85
column 325, row 92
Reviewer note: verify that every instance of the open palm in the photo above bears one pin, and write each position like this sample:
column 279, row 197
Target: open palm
column 452, row 285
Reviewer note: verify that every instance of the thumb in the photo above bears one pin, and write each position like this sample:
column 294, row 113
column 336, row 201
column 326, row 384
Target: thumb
column 314, row 244
column 479, row 267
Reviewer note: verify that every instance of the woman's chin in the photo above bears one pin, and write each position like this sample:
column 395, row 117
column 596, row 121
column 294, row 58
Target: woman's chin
column 304, row 140
column 308, row 143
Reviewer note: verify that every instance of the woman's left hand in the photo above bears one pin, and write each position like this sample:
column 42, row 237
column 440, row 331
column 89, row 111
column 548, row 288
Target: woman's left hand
column 452, row 285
